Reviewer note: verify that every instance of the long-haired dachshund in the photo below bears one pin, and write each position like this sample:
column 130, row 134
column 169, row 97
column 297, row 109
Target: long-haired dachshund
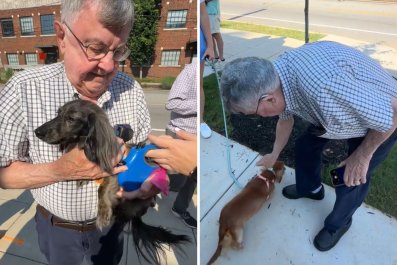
column 83, row 124
column 242, row 207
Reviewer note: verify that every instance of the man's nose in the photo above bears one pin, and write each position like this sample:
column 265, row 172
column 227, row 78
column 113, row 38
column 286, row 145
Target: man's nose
column 107, row 63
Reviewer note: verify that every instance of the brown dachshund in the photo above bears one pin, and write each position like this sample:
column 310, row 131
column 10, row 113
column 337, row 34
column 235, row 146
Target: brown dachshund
column 242, row 207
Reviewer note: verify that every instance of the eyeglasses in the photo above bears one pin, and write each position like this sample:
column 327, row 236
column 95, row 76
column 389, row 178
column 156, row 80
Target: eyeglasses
column 97, row 51
column 256, row 115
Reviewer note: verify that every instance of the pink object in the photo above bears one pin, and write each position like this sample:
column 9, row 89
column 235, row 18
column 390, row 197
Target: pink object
column 159, row 178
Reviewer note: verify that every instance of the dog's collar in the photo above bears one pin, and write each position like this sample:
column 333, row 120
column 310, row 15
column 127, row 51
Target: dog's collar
column 271, row 170
column 264, row 179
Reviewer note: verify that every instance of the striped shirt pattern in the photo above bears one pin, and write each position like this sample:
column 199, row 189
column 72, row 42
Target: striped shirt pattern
column 32, row 98
column 182, row 101
column 337, row 87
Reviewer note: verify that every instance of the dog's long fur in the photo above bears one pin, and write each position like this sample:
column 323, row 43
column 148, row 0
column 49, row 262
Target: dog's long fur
column 83, row 124
column 241, row 208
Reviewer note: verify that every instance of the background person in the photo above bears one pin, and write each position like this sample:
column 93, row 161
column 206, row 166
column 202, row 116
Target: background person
column 214, row 15
column 182, row 104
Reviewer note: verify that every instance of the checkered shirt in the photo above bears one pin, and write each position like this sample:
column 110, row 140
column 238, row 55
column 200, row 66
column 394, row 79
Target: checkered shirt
column 32, row 98
column 182, row 101
column 336, row 87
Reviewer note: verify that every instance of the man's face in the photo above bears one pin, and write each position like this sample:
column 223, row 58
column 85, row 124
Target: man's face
column 90, row 77
column 268, row 105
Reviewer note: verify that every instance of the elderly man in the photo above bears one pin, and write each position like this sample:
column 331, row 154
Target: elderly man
column 343, row 94
column 92, row 36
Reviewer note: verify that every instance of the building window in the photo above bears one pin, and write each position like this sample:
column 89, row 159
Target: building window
column 176, row 19
column 31, row 58
column 170, row 58
column 27, row 26
column 7, row 27
column 47, row 24
column 13, row 59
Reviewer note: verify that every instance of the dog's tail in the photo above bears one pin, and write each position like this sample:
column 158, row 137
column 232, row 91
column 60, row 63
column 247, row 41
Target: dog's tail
column 149, row 240
column 216, row 254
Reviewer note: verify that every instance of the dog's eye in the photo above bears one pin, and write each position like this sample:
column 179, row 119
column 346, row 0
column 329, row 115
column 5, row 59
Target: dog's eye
column 69, row 119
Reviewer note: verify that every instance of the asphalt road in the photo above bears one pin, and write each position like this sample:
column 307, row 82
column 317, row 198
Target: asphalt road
column 371, row 21
column 159, row 116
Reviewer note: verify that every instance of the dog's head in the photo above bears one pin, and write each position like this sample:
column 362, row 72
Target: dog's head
column 278, row 169
column 83, row 124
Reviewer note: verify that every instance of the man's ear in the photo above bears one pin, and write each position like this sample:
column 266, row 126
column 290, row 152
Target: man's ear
column 60, row 35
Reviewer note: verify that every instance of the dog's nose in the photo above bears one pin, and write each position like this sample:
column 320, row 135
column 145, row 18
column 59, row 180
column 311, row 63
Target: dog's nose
column 39, row 133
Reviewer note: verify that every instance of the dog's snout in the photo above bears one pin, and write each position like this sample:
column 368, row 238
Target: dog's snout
column 40, row 133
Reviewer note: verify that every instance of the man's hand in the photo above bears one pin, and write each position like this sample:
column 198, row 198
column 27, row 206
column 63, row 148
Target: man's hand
column 356, row 169
column 175, row 154
column 74, row 165
column 267, row 161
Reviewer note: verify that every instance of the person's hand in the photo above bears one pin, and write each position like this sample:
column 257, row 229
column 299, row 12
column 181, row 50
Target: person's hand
column 175, row 154
column 356, row 168
column 209, row 54
column 146, row 191
column 74, row 165
column 267, row 161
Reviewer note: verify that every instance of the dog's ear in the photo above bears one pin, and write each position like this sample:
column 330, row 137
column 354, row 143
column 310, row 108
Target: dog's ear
column 90, row 141
column 102, row 145
column 91, row 124
column 279, row 169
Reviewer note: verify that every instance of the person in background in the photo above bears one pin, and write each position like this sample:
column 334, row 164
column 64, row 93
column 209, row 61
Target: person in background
column 214, row 14
column 182, row 104
column 206, row 52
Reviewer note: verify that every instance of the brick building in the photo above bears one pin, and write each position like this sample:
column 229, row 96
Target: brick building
column 27, row 36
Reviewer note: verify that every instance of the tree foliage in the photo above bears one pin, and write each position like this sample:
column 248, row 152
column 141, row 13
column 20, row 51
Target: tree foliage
column 143, row 37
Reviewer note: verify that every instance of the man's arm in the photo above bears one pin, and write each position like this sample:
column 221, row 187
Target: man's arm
column 73, row 165
column 283, row 132
column 358, row 162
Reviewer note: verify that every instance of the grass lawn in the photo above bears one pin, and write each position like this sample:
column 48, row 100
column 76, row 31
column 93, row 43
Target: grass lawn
column 382, row 193
column 289, row 33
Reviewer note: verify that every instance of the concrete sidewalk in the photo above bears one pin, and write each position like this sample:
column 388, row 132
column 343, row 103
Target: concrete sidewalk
column 282, row 231
column 18, row 237
column 243, row 44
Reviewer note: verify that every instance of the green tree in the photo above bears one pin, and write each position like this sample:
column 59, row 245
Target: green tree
column 143, row 37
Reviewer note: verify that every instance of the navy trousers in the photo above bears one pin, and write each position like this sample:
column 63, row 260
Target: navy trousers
column 63, row 246
column 308, row 155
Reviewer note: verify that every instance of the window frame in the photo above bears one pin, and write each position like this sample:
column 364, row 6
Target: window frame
column 30, row 23
column 170, row 56
column 175, row 20
column 11, row 62
column 45, row 29
column 28, row 62
column 2, row 27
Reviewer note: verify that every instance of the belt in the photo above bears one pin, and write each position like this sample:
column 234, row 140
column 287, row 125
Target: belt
column 83, row 226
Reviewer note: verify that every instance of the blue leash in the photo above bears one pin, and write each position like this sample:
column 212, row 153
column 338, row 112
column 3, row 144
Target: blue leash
column 228, row 144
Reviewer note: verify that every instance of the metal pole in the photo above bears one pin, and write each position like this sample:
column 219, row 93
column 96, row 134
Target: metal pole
column 306, row 21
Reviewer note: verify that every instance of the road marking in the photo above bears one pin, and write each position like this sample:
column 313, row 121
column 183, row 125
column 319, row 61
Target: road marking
column 158, row 130
column 312, row 24
column 14, row 240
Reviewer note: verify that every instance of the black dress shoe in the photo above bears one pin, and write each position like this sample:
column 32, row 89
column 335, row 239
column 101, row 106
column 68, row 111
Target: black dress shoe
column 325, row 240
column 291, row 193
